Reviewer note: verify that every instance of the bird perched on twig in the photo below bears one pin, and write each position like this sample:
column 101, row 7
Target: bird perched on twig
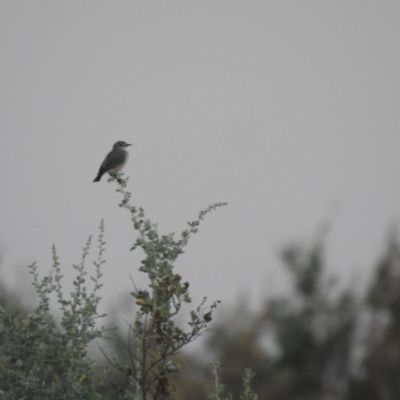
column 114, row 161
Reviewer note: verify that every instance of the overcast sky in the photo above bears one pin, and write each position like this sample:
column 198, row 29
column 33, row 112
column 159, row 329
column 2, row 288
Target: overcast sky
column 288, row 110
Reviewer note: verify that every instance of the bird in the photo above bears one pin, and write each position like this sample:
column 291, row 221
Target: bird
column 114, row 161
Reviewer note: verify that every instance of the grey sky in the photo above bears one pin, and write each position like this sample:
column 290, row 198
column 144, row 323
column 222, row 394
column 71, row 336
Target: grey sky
column 285, row 109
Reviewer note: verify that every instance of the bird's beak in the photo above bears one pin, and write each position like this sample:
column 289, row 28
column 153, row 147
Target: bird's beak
column 128, row 145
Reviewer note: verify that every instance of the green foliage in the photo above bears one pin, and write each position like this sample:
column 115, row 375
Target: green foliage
column 298, row 346
column 218, row 386
column 39, row 360
column 247, row 392
column 154, row 337
column 43, row 360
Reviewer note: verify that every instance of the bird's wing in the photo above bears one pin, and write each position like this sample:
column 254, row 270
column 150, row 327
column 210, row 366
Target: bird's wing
column 113, row 159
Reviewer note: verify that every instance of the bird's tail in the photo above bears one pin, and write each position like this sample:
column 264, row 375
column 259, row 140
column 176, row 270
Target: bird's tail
column 98, row 177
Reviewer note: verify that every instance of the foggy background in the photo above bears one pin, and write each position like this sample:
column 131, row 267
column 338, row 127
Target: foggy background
column 288, row 110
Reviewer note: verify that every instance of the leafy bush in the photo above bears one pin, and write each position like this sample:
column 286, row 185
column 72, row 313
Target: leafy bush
column 39, row 360
column 42, row 360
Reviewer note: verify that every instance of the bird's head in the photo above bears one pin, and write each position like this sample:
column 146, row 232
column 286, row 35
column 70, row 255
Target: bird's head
column 121, row 145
